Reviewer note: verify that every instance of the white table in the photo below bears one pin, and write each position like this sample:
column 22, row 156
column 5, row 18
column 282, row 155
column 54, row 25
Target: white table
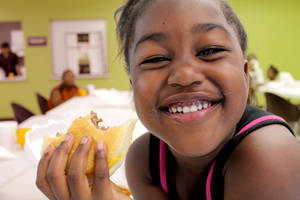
column 22, row 187
column 113, row 106
column 291, row 91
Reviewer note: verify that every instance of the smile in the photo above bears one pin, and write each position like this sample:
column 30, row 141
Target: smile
column 189, row 107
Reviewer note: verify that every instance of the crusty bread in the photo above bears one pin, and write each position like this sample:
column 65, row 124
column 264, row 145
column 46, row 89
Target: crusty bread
column 116, row 139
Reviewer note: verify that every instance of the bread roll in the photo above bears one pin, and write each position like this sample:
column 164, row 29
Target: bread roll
column 116, row 139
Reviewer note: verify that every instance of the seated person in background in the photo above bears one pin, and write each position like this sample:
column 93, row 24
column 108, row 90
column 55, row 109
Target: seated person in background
column 65, row 90
column 255, row 71
column 9, row 62
column 273, row 74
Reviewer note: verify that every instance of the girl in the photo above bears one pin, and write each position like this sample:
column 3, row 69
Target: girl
column 190, row 81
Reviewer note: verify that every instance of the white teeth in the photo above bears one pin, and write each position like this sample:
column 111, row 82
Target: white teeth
column 186, row 109
column 174, row 109
column 200, row 106
column 189, row 107
column 179, row 109
column 193, row 108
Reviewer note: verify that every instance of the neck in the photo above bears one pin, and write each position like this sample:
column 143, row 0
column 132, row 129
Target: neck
column 196, row 166
column 5, row 55
column 191, row 170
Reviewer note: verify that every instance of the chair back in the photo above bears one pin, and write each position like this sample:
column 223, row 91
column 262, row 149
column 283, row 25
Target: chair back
column 42, row 101
column 21, row 113
column 282, row 108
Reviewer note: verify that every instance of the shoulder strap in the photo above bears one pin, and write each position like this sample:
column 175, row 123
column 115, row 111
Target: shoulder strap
column 154, row 160
column 218, row 164
column 162, row 166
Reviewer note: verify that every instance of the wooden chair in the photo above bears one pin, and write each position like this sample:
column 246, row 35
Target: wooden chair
column 20, row 113
column 282, row 108
column 42, row 101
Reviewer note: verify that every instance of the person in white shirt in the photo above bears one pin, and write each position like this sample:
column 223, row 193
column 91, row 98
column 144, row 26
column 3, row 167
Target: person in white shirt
column 256, row 78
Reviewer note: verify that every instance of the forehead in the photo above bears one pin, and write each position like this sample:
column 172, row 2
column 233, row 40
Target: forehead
column 68, row 74
column 168, row 14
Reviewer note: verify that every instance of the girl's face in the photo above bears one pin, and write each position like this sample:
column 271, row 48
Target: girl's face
column 188, row 75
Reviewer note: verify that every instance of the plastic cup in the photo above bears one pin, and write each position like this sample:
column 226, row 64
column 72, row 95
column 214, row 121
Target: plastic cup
column 8, row 130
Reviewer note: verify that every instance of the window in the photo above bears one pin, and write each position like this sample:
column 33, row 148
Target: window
column 79, row 45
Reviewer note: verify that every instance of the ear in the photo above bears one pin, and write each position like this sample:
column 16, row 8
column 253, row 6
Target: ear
column 246, row 72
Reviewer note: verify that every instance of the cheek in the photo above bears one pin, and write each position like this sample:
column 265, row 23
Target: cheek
column 145, row 91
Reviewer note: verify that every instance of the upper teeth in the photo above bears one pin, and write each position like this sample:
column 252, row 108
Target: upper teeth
column 194, row 107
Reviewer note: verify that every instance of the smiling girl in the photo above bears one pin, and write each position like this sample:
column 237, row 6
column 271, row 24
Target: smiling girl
column 189, row 76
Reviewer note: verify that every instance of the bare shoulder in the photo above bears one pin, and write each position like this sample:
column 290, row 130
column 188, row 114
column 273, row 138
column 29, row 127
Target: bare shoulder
column 138, row 157
column 138, row 171
column 265, row 165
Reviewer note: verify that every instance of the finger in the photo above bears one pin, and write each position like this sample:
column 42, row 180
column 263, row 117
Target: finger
column 102, row 188
column 77, row 179
column 56, row 171
column 41, row 178
column 119, row 191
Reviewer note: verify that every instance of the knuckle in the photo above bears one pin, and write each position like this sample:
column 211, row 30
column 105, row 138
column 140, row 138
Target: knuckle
column 73, row 176
column 101, row 176
column 52, row 176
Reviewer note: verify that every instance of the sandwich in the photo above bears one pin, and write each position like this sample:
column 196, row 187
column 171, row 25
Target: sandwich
column 117, row 140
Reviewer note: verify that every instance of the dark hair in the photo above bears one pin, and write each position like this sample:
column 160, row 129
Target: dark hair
column 251, row 56
column 130, row 11
column 65, row 73
column 5, row 45
column 274, row 69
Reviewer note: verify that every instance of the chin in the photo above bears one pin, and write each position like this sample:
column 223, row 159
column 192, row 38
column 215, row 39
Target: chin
column 196, row 146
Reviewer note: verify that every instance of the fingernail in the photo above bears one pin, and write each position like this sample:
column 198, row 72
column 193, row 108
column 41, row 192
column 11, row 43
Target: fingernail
column 84, row 140
column 67, row 138
column 48, row 149
column 100, row 146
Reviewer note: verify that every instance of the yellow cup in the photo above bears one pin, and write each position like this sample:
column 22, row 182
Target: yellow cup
column 11, row 75
column 21, row 132
column 82, row 92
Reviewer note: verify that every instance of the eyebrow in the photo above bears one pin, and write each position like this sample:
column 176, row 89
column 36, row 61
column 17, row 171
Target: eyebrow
column 196, row 29
column 156, row 37
column 207, row 27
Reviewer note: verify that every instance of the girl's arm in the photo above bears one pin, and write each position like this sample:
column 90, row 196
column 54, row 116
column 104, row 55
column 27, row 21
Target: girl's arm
column 266, row 165
column 138, row 172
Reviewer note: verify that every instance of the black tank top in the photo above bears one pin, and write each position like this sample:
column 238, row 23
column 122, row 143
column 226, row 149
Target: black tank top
column 162, row 162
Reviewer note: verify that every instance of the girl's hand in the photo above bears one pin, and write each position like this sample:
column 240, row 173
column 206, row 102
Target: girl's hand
column 57, row 185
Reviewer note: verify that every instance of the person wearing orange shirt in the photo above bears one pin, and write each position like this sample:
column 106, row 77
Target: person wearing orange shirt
column 64, row 91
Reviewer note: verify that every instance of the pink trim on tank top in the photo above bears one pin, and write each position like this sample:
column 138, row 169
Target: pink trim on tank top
column 259, row 120
column 251, row 124
column 162, row 165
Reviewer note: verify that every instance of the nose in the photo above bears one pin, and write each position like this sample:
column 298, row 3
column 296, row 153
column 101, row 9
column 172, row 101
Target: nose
column 185, row 75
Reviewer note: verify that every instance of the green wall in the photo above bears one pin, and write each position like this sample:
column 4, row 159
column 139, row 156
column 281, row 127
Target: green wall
column 273, row 30
column 272, row 26
column 35, row 16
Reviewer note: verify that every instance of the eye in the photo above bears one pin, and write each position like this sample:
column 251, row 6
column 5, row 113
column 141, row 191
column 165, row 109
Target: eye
column 157, row 59
column 155, row 62
column 210, row 52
